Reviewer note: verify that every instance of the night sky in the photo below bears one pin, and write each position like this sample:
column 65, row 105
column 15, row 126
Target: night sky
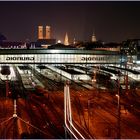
column 110, row 21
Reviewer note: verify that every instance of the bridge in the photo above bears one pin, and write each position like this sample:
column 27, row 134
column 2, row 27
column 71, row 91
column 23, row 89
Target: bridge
column 53, row 56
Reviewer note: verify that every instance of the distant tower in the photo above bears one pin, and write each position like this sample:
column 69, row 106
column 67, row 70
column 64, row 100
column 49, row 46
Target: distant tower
column 93, row 38
column 74, row 42
column 40, row 32
column 48, row 32
column 66, row 41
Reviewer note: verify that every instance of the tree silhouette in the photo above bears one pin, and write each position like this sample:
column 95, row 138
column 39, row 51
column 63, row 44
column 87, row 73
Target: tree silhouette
column 2, row 37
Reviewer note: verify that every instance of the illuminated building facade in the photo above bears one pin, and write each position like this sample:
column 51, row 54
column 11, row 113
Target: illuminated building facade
column 66, row 40
column 44, row 40
column 40, row 32
column 48, row 32
column 93, row 38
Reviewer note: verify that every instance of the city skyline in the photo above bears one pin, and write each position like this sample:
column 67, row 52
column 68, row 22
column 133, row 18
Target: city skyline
column 110, row 21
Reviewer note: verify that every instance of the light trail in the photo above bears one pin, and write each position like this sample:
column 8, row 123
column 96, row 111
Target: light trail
column 65, row 113
column 68, row 114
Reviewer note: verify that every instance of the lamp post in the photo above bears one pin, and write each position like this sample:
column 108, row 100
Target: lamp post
column 7, row 86
column 118, row 110
column 118, row 107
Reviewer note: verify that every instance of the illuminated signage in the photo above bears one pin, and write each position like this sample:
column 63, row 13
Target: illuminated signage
column 20, row 58
column 58, row 58
column 94, row 58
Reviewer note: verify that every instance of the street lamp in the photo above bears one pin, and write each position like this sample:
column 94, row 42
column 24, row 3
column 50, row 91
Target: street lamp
column 118, row 106
column 118, row 110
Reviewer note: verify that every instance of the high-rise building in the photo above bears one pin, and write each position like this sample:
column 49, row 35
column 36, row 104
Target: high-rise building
column 40, row 32
column 48, row 32
column 66, row 41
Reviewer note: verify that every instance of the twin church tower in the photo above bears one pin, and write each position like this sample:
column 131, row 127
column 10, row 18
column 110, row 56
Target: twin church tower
column 47, row 35
column 41, row 33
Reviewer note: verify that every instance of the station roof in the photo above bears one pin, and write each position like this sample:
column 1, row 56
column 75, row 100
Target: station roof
column 56, row 51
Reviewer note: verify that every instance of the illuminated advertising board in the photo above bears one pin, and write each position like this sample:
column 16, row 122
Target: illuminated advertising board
column 59, row 58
